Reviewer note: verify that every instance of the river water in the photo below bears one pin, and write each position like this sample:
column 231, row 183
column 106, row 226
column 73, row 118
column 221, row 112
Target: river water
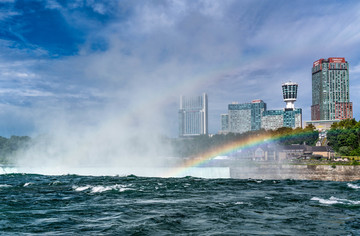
column 34, row 204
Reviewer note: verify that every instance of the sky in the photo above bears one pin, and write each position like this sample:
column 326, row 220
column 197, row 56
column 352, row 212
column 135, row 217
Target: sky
column 77, row 63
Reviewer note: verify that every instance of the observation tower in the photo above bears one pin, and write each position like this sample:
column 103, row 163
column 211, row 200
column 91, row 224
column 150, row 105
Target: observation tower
column 289, row 90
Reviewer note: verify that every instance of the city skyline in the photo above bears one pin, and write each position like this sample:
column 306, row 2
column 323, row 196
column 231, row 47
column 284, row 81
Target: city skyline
column 245, row 117
column 76, row 63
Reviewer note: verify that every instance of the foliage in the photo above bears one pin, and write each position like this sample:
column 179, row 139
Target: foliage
column 309, row 135
column 355, row 163
column 345, row 150
column 344, row 137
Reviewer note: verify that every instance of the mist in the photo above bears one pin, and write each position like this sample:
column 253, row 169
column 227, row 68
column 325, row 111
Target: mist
column 108, row 108
column 100, row 88
column 107, row 141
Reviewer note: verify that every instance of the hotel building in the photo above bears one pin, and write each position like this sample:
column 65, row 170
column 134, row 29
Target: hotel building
column 193, row 115
column 246, row 116
column 253, row 116
column 224, row 123
column 330, row 90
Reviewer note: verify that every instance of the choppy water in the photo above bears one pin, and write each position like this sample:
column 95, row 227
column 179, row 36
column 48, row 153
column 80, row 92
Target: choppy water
column 80, row 205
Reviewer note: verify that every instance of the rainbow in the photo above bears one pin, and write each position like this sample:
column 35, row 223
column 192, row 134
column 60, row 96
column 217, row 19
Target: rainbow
column 248, row 142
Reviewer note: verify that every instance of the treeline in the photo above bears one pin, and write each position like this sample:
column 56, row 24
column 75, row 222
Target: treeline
column 185, row 147
column 9, row 146
column 288, row 136
column 344, row 137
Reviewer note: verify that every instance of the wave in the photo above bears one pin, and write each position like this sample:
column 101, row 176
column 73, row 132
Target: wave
column 334, row 200
column 239, row 203
column 5, row 186
column 354, row 186
column 100, row 188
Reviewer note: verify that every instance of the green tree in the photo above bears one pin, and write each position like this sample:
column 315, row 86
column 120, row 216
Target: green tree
column 345, row 150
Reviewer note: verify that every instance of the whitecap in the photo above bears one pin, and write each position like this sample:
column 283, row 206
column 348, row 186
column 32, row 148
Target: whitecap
column 354, row 186
column 335, row 200
column 324, row 201
column 124, row 189
column 4, row 185
column 100, row 189
column 239, row 203
column 79, row 189
column 27, row 184
column 121, row 188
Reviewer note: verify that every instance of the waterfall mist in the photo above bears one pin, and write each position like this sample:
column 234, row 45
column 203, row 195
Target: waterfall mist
column 107, row 143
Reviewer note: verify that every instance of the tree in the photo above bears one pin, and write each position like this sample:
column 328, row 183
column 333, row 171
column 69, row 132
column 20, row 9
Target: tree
column 344, row 137
column 345, row 150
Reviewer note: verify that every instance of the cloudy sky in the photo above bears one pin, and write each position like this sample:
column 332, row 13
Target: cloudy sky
column 81, row 60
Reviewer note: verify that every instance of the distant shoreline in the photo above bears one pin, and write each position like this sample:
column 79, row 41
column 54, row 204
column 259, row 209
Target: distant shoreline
column 325, row 172
column 266, row 170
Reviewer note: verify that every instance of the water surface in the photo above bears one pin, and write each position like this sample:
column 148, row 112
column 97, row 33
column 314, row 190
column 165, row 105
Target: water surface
column 78, row 205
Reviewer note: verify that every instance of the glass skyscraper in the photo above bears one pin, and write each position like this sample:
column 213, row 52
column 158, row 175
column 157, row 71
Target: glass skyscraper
column 246, row 116
column 193, row 115
column 330, row 90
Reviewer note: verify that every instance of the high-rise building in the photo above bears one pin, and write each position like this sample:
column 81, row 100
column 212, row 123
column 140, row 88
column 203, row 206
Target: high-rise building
column 193, row 115
column 274, row 119
column 246, row 116
column 224, row 123
column 289, row 116
column 330, row 90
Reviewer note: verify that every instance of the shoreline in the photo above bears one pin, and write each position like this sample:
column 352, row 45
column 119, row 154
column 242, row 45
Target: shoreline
column 273, row 171
column 325, row 172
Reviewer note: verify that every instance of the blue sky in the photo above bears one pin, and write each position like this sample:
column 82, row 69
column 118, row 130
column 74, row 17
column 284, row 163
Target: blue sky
column 80, row 61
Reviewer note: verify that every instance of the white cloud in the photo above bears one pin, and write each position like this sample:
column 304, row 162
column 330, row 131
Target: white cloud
column 52, row 4
column 18, row 74
column 235, row 51
column 16, row 92
column 97, row 7
column 170, row 45
column 214, row 8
